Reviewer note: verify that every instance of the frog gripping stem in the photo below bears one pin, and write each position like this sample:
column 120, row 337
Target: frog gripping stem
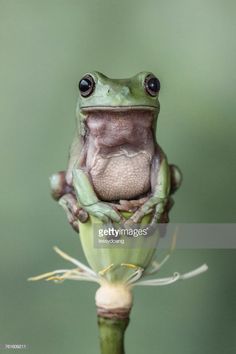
column 117, row 175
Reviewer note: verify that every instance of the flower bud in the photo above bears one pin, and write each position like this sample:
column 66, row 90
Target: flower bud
column 115, row 262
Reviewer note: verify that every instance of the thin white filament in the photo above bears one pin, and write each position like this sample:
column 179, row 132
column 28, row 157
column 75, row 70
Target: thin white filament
column 75, row 261
column 176, row 276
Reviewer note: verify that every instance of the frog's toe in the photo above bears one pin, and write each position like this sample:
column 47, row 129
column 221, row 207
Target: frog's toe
column 129, row 223
column 82, row 215
column 108, row 212
column 109, row 215
column 137, row 217
column 73, row 212
column 114, row 216
column 101, row 217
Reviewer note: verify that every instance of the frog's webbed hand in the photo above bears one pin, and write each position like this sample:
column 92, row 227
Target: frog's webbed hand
column 64, row 193
column 88, row 200
column 154, row 205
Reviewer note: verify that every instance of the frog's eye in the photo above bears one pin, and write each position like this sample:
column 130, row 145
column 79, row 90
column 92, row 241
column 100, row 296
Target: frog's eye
column 152, row 85
column 86, row 85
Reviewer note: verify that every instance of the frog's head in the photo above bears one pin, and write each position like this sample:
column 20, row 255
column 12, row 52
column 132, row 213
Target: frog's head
column 98, row 93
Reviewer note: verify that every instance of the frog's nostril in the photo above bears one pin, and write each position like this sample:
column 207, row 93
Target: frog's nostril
column 125, row 91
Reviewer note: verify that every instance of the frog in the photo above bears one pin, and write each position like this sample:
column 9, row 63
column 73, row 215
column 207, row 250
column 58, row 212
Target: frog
column 115, row 162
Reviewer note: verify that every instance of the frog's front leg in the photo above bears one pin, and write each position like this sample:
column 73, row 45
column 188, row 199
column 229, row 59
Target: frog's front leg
column 64, row 193
column 88, row 199
column 165, row 180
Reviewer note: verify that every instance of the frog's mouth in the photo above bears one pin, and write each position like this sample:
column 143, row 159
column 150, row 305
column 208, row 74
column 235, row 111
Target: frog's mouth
column 119, row 108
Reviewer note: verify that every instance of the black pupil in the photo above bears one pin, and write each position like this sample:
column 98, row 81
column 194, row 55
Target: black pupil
column 154, row 84
column 85, row 85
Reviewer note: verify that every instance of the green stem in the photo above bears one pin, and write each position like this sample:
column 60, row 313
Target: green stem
column 111, row 331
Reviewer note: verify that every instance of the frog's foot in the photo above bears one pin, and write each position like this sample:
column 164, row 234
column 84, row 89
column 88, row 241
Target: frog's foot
column 103, row 211
column 129, row 205
column 153, row 204
column 73, row 212
column 59, row 186
column 175, row 178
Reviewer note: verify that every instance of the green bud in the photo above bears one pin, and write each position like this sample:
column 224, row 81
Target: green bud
column 116, row 263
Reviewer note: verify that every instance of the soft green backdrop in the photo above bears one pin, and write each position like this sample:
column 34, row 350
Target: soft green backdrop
column 45, row 47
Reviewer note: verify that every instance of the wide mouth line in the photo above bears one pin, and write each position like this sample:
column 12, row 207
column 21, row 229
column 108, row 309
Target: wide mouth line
column 118, row 108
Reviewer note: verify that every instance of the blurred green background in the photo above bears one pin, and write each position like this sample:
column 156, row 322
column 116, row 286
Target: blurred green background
column 45, row 47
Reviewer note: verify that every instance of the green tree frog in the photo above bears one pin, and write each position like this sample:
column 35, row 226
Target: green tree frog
column 115, row 162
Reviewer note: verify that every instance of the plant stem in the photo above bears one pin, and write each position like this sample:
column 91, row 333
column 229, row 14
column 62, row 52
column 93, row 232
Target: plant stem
column 111, row 331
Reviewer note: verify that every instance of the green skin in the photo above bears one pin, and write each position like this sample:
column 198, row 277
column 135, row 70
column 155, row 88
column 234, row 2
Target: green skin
column 81, row 191
column 112, row 332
